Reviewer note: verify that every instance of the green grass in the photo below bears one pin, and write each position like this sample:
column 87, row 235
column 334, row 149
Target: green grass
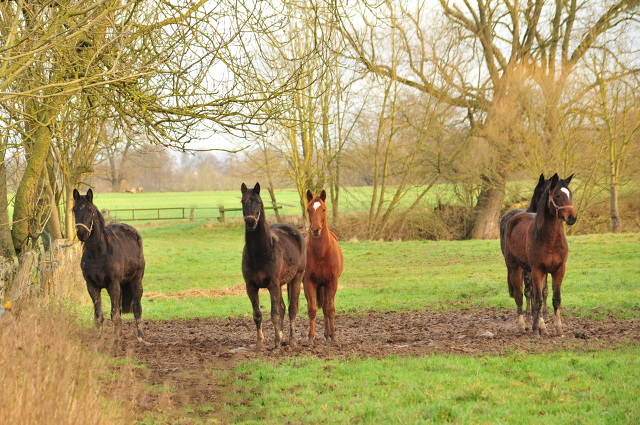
column 603, row 277
column 560, row 388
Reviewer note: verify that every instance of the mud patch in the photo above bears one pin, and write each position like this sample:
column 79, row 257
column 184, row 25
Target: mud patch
column 187, row 355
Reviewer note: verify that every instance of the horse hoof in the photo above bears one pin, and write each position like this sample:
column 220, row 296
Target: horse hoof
column 293, row 344
column 142, row 341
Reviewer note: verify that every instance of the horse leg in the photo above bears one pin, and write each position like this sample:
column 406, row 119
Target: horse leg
column 527, row 293
column 545, row 294
column 515, row 282
column 115, row 294
column 293, row 290
column 310, row 295
column 329, row 310
column 252, row 292
column 96, row 297
column 557, row 278
column 277, row 311
column 136, row 289
column 537, row 277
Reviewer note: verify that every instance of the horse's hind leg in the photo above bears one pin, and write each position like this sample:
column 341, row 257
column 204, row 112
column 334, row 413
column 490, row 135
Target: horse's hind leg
column 557, row 278
column 537, row 276
column 310, row 295
column 528, row 293
column 96, row 297
column 293, row 291
column 252, row 292
column 515, row 283
column 114, row 294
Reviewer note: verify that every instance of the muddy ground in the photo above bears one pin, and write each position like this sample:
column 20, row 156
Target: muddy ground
column 185, row 354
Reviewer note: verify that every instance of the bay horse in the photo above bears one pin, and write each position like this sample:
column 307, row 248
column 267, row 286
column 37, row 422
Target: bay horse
column 324, row 266
column 536, row 243
column 533, row 207
column 272, row 257
column 112, row 259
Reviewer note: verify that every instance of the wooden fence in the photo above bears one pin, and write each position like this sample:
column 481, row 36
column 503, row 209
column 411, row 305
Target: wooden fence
column 173, row 213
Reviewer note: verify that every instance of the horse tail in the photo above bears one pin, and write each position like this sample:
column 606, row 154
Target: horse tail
column 320, row 296
column 126, row 296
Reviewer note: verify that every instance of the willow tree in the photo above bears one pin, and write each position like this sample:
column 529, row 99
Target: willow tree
column 493, row 48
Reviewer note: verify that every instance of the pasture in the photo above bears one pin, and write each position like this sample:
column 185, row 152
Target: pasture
column 409, row 321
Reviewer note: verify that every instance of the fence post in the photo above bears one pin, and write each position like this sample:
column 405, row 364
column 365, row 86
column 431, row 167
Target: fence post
column 192, row 215
column 221, row 214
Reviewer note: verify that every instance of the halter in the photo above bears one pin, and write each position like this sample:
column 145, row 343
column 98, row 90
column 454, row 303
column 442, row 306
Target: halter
column 551, row 201
column 90, row 229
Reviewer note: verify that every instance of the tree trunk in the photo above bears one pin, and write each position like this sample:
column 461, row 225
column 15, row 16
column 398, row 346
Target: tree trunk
column 616, row 222
column 6, row 244
column 69, row 224
column 273, row 201
column 486, row 225
column 26, row 195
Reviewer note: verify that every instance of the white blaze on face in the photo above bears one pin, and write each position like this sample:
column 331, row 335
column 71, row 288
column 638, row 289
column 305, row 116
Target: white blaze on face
column 316, row 205
column 566, row 191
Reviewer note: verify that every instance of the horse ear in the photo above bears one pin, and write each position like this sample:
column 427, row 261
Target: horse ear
column 90, row 195
column 76, row 194
column 323, row 195
column 554, row 180
column 309, row 195
column 256, row 188
column 243, row 188
column 541, row 179
column 568, row 179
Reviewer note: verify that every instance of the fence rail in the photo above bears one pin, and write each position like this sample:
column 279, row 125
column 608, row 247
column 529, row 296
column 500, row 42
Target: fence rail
column 173, row 213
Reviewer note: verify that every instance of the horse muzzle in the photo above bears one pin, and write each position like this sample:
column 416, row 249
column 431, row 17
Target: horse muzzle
column 250, row 222
column 571, row 219
column 316, row 232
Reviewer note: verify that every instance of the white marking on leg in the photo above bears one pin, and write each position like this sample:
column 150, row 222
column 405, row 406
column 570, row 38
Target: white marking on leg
column 316, row 205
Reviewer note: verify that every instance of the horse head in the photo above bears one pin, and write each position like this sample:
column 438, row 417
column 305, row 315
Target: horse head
column 252, row 207
column 560, row 197
column 317, row 209
column 85, row 213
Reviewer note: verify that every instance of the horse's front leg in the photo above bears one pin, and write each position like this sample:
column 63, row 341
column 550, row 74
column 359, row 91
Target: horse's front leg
column 528, row 293
column 277, row 311
column 115, row 294
column 252, row 292
column 514, row 276
column 556, row 283
column 96, row 297
column 293, row 292
column 310, row 295
column 545, row 294
column 537, row 277
column 329, row 310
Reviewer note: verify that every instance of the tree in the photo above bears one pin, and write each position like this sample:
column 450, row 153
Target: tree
column 491, row 49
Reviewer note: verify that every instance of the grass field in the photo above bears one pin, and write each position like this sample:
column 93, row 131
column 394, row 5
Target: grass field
column 586, row 387
column 603, row 274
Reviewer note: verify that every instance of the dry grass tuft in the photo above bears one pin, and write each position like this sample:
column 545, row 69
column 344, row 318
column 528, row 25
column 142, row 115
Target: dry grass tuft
column 49, row 378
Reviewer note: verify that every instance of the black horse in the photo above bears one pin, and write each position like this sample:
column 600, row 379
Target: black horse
column 533, row 208
column 272, row 256
column 112, row 258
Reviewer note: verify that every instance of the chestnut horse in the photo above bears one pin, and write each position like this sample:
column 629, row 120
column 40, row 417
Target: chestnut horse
column 324, row 267
column 272, row 256
column 536, row 244
column 112, row 259
column 533, row 207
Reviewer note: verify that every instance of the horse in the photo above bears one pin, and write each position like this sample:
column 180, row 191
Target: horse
column 272, row 256
column 533, row 207
column 536, row 243
column 324, row 266
column 112, row 259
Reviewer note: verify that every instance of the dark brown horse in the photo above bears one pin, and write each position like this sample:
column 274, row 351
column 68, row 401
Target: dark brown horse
column 533, row 207
column 112, row 259
column 536, row 244
column 324, row 267
column 272, row 257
